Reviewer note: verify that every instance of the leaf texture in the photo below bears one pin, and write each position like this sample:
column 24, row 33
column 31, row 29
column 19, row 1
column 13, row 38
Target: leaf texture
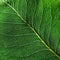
column 30, row 30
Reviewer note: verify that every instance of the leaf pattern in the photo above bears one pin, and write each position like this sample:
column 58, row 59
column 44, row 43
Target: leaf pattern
column 30, row 30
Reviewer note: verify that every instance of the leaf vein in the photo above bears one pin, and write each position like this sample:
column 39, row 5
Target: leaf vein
column 33, row 31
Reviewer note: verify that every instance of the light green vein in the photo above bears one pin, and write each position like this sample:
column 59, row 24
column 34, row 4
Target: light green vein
column 33, row 30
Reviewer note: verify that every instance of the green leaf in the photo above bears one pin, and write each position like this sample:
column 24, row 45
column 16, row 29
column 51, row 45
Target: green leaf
column 30, row 30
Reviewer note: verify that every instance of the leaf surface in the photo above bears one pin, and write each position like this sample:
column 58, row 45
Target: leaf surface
column 30, row 30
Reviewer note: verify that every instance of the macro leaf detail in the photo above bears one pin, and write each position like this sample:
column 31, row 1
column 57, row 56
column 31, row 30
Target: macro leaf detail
column 30, row 30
